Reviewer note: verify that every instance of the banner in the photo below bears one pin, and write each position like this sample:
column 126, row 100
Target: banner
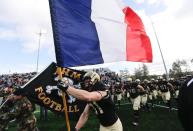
column 43, row 91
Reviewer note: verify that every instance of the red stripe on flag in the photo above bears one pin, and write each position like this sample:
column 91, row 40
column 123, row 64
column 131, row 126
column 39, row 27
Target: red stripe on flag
column 138, row 45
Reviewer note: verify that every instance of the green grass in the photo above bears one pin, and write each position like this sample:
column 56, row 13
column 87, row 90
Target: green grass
column 55, row 123
column 159, row 119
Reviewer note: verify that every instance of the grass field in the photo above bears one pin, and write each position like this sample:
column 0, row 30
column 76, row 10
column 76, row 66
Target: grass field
column 159, row 119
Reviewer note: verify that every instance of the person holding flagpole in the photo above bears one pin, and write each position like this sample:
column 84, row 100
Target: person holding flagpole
column 98, row 98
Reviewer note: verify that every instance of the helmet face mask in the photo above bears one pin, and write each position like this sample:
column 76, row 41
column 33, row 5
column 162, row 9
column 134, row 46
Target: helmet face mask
column 90, row 78
column 87, row 84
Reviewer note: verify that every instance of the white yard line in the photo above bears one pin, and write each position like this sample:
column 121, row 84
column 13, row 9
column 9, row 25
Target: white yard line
column 162, row 106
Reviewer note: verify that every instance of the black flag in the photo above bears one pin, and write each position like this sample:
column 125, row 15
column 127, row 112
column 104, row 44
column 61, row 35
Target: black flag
column 43, row 91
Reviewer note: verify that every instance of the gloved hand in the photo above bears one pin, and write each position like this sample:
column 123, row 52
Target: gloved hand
column 108, row 94
column 62, row 85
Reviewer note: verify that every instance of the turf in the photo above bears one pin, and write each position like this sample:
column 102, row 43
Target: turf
column 158, row 119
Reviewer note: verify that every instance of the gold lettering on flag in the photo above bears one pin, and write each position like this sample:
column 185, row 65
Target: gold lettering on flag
column 69, row 73
column 53, row 104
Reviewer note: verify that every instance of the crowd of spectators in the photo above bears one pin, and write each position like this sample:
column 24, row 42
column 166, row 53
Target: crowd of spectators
column 15, row 80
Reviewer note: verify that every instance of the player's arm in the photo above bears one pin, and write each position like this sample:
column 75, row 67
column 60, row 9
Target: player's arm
column 83, row 118
column 171, row 87
column 141, row 88
column 85, row 95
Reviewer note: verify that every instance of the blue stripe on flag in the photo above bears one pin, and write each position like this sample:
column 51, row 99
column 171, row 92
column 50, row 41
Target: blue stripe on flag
column 75, row 36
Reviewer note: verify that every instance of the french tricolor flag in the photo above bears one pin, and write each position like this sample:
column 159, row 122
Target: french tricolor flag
column 88, row 32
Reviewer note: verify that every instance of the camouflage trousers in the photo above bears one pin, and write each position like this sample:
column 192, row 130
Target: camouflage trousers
column 5, row 118
column 23, row 124
column 27, row 124
column 3, row 125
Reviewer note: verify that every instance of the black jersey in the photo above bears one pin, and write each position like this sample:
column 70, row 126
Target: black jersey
column 127, row 86
column 152, row 86
column 105, row 108
column 145, row 87
column 134, row 90
column 176, row 85
column 118, row 90
column 163, row 86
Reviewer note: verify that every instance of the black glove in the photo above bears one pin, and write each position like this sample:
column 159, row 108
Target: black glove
column 62, row 86
column 108, row 94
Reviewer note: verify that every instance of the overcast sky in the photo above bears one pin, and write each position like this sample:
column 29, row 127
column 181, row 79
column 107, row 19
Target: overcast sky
column 21, row 20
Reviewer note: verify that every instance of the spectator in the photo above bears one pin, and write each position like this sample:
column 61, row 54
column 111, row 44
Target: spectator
column 19, row 108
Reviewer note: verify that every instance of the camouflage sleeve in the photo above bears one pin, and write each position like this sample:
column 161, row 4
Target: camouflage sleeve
column 26, row 104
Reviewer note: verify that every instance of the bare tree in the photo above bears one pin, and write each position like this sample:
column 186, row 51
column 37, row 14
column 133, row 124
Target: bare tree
column 179, row 67
column 138, row 73
column 145, row 70
column 141, row 72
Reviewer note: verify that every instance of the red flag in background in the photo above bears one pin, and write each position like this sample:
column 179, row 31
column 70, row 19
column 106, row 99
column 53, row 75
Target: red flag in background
column 138, row 44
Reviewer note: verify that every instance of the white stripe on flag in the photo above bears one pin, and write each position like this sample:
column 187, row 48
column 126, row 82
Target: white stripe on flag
column 109, row 20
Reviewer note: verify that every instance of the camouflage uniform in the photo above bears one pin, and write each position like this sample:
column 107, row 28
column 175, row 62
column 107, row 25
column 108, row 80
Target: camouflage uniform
column 25, row 117
column 6, row 111
column 21, row 110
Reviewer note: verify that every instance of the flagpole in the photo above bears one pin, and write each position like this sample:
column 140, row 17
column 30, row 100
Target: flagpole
column 59, row 72
column 39, row 41
column 42, row 109
column 167, row 76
